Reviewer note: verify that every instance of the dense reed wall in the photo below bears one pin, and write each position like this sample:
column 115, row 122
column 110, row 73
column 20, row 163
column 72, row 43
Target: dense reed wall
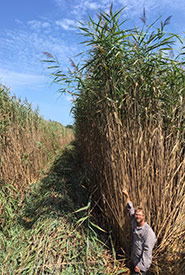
column 151, row 166
column 132, row 103
column 27, row 142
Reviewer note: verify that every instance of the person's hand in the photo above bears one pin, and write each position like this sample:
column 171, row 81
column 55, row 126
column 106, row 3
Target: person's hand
column 137, row 269
column 125, row 192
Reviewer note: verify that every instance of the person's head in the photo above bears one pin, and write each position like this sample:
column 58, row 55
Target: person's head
column 140, row 216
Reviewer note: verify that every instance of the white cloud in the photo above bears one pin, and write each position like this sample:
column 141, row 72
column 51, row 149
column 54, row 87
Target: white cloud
column 23, row 49
column 91, row 5
column 34, row 24
column 83, row 7
column 135, row 7
column 14, row 79
column 46, row 25
column 66, row 24
column 79, row 8
column 38, row 25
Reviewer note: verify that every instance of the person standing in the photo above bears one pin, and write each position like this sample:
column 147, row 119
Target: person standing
column 143, row 239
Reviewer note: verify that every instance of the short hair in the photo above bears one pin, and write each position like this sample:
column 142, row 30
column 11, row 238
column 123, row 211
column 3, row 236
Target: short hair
column 140, row 208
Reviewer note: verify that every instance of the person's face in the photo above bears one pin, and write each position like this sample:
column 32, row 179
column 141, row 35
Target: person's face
column 140, row 217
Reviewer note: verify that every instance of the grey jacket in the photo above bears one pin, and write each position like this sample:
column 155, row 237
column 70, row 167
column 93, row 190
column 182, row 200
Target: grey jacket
column 143, row 242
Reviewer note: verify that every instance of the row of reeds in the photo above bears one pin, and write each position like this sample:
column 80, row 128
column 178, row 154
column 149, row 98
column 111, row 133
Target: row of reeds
column 130, row 118
column 27, row 141
column 40, row 191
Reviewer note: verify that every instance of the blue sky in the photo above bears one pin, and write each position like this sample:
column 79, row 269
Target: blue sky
column 31, row 27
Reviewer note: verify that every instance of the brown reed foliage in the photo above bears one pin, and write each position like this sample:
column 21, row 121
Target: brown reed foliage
column 136, row 141
column 27, row 142
column 151, row 166
column 148, row 161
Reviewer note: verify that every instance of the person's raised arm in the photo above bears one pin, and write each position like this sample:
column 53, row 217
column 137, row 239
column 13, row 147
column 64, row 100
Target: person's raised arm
column 129, row 203
column 125, row 192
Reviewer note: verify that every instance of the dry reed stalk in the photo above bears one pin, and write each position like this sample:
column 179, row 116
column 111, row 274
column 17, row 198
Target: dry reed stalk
column 25, row 151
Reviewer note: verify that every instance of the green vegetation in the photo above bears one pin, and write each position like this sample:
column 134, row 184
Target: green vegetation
column 130, row 95
column 41, row 235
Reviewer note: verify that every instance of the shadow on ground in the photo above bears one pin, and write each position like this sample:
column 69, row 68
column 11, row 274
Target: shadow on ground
column 59, row 193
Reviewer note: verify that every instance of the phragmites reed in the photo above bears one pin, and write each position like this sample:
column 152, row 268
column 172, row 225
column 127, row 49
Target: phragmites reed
column 152, row 167
column 130, row 114
column 27, row 141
